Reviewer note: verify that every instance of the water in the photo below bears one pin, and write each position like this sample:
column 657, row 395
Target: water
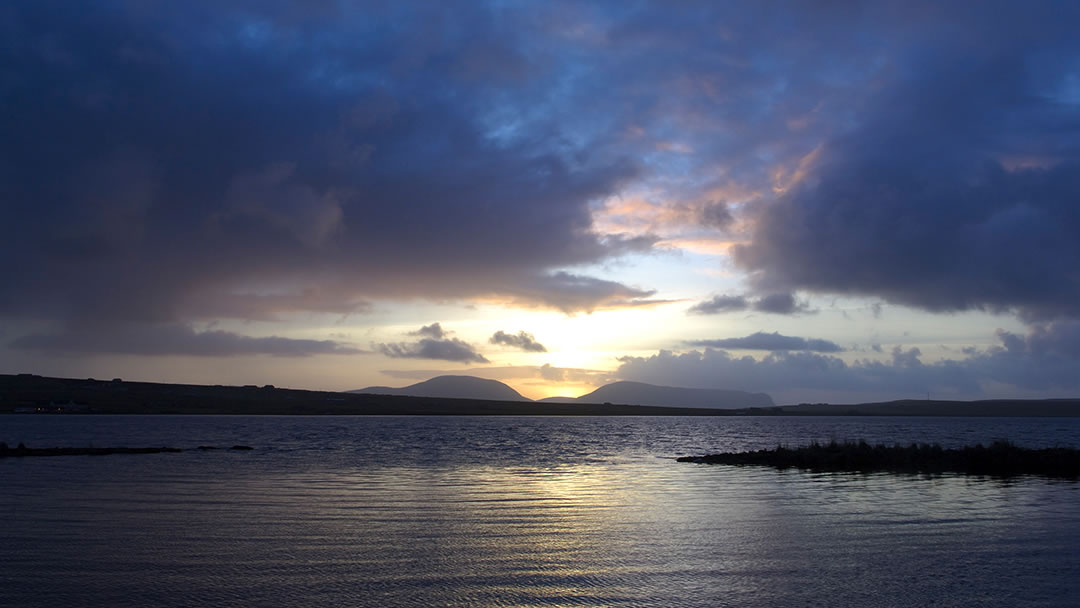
column 431, row 511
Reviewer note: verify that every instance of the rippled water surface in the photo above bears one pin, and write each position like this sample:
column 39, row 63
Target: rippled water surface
column 432, row 511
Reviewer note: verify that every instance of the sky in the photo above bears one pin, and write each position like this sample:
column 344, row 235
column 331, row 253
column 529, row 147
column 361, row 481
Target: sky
column 824, row 201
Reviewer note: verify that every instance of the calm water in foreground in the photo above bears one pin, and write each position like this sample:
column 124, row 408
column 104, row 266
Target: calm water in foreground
column 431, row 511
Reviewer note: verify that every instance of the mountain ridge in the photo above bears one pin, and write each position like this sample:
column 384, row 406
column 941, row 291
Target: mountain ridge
column 622, row 392
column 451, row 387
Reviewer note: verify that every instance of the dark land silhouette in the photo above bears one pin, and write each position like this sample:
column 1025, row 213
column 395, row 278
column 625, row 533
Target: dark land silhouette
column 455, row 387
column 21, row 451
column 1001, row 458
column 631, row 393
column 30, row 393
column 672, row 396
column 38, row 394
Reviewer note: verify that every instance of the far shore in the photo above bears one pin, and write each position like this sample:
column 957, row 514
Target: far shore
column 22, row 451
column 33, row 394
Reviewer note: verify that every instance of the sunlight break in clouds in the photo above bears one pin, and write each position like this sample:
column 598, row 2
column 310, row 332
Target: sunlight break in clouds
column 574, row 177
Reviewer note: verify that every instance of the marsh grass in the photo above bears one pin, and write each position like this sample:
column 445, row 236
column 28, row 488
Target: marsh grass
column 1000, row 458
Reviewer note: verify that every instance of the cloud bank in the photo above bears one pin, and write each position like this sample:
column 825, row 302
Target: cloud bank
column 1046, row 359
column 773, row 342
column 173, row 339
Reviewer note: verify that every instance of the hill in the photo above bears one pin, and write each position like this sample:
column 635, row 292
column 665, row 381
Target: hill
column 64, row 396
column 451, row 387
column 628, row 393
column 43, row 395
column 639, row 393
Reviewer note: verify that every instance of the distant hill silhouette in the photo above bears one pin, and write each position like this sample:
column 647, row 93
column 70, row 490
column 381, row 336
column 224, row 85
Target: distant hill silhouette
column 30, row 394
column 639, row 393
column 451, row 387
column 625, row 393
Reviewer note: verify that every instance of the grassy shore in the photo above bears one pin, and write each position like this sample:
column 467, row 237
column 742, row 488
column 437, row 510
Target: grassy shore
column 1000, row 458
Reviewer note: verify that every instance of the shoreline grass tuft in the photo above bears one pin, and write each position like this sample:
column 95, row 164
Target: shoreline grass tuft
column 1000, row 458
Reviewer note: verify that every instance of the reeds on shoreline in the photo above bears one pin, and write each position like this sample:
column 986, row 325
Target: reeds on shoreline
column 1000, row 458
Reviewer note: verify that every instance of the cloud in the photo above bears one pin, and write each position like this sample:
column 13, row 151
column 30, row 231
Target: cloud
column 1047, row 356
column 173, row 339
column 331, row 162
column 342, row 153
column 793, row 373
column 780, row 304
column 774, row 342
column 574, row 375
column 716, row 214
column 547, row 372
column 570, row 293
column 434, row 331
column 720, row 304
column 435, row 345
column 1044, row 360
column 451, row 349
column 955, row 189
column 774, row 303
column 524, row 341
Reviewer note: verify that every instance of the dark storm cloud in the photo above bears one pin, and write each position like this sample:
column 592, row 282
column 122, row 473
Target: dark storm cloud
column 435, row 344
column 173, row 339
column 780, row 304
column 166, row 162
column 525, row 341
column 1048, row 355
column 956, row 186
column 774, row 342
column 775, row 303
